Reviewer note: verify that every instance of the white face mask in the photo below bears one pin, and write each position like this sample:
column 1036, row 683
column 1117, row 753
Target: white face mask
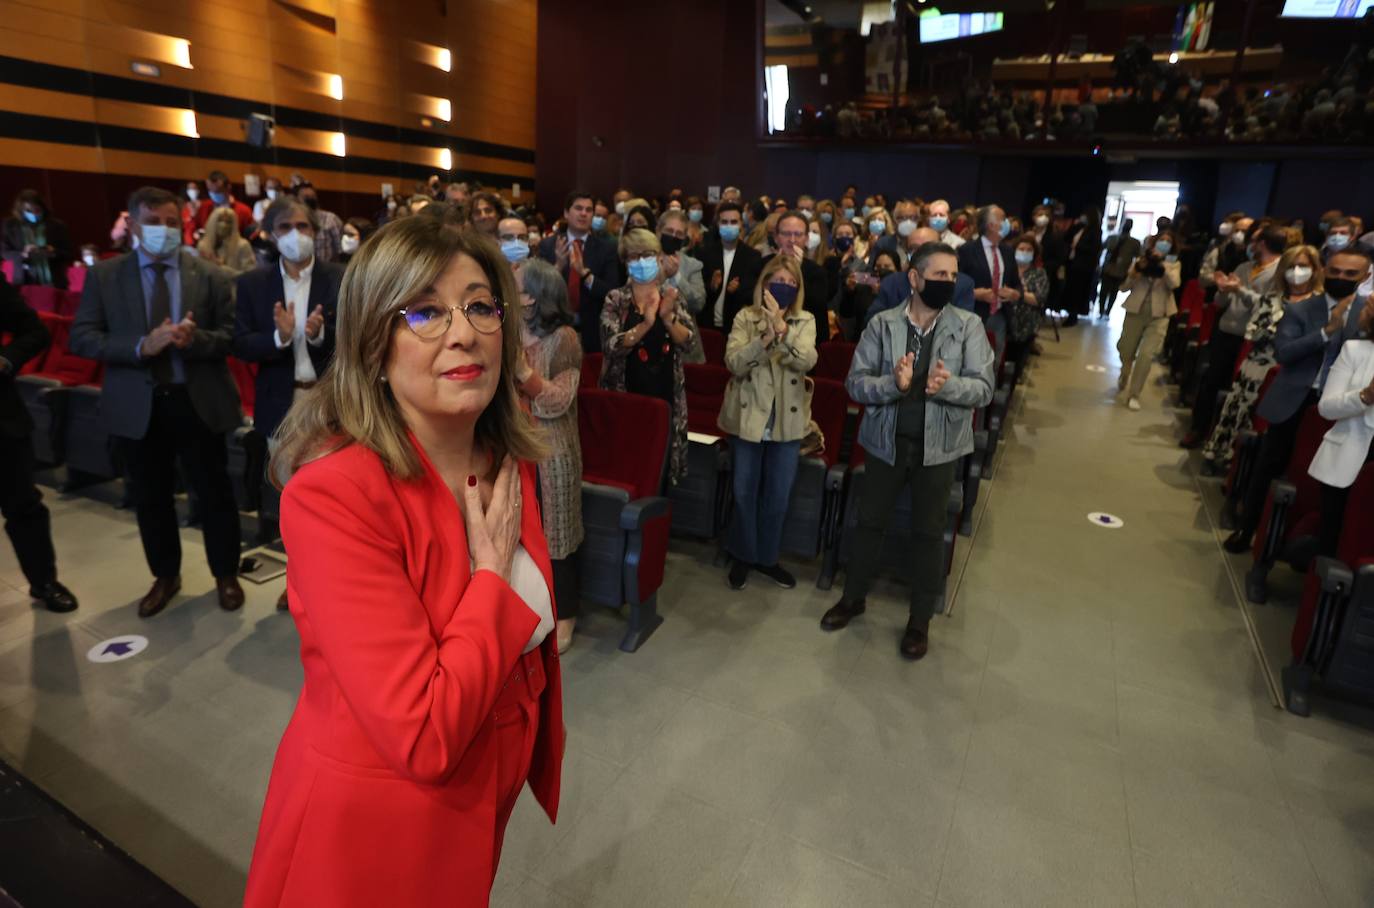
column 812, row 241
column 805, row 212
column 1041, row 220
column 159, row 240
column 620, row 208
column 348, row 244
column 1225, row 228
column 89, row 259
column 271, row 194
column 192, row 193
column 1298, row 275
column 296, row 247
column 391, row 205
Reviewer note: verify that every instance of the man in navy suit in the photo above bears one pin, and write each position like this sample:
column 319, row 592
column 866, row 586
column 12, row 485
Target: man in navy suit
column 1307, row 342
column 589, row 262
column 286, row 313
column 996, row 281
column 895, row 289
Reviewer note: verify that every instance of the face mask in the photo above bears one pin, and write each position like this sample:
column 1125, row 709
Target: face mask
column 1298, row 275
column 192, row 193
column 1251, row 253
column 32, row 217
column 1338, row 288
column 311, row 202
column 1323, row 226
column 938, row 223
column 806, row 213
column 937, row 294
column 827, row 217
column 877, row 227
column 1163, row 247
column 296, row 247
column 1337, row 241
column 89, row 260
column 1005, row 229
column 882, row 272
column 159, row 239
column 1042, row 220
column 906, row 227
column 349, row 244
column 866, row 209
column 620, row 208
column 784, row 294
column 694, row 215
column 515, row 250
column 729, row 232
column 1224, row 228
column 1238, row 237
column 272, row 194
column 1024, row 256
column 849, row 214
column 391, row 205
column 671, row 244
column 844, row 243
column 598, row 222
column 812, row 241
column 219, row 198
column 644, row 271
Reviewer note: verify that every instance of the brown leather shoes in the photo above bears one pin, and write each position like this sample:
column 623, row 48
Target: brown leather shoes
column 230, row 593
column 840, row 614
column 164, row 588
column 283, row 604
column 915, row 641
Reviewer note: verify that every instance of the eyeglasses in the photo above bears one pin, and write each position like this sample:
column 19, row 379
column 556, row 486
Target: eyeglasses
column 429, row 320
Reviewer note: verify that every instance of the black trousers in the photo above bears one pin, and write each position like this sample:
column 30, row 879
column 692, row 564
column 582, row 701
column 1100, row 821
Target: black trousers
column 1275, row 450
column 175, row 433
column 26, row 517
column 1222, row 351
column 1333, row 513
column 929, row 505
column 565, row 586
column 1106, row 295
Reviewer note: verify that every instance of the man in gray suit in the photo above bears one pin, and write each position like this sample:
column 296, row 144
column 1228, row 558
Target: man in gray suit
column 161, row 321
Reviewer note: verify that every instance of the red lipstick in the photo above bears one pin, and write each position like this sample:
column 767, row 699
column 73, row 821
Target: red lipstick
column 463, row 373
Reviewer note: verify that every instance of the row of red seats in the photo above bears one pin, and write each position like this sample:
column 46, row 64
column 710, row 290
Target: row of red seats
column 76, row 277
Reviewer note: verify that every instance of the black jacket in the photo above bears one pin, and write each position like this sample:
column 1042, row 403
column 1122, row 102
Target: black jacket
column 602, row 259
column 255, row 332
column 58, row 237
column 28, row 339
column 745, row 266
column 973, row 261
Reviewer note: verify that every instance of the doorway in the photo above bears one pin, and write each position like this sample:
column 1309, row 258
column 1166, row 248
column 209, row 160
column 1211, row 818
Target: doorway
column 1142, row 201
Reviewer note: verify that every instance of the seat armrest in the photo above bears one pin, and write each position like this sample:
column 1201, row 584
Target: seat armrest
column 640, row 511
column 1333, row 576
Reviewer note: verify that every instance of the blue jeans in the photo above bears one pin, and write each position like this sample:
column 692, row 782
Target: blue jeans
column 764, row 472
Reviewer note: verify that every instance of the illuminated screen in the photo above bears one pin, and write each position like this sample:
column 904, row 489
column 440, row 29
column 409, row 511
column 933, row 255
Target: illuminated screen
column 1324, row 9
column 937, row 26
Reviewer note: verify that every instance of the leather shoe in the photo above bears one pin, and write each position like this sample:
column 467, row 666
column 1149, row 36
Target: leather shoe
column 840, row 614
column 164, row 588
column 55, row 596
column 283, row 604
column 1237, row 543
column 915, row 641
column 230, row 593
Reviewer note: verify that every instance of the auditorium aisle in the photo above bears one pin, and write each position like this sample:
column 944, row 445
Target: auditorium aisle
column 1091, row 727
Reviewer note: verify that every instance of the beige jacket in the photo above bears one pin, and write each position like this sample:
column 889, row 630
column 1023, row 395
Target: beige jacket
column 768, row 379
column 1153, row 296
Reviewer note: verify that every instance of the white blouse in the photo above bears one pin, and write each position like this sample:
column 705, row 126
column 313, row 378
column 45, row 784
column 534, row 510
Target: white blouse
column 529, row 585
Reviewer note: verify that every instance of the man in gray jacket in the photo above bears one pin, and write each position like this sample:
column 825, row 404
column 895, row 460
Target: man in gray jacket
column 920, row 370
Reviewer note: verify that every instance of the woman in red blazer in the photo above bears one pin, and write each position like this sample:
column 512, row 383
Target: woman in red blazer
column 421, row 590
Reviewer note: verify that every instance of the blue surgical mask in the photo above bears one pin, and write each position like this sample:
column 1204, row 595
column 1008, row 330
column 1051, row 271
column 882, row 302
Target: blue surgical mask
column 598, row 222
column 32, row 217
column 938, row 223
column 694, row 215
column 849, row 214
column 827, row 217
column 1337, row 241
column 159, row 239
column 866, row 209
column 906, row 227
column 1024, row 256
column 645, row 270
column 876, row 227
column 1006, row 229
column 729, row 232
column 219, row 198
column 1163, row 247
column 515, row 250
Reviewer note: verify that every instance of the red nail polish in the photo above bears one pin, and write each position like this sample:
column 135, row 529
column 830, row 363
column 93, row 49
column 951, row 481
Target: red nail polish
column 472, row 480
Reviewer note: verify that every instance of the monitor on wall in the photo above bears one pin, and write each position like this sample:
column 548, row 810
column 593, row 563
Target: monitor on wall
column 937, row 26
column 1326, row 9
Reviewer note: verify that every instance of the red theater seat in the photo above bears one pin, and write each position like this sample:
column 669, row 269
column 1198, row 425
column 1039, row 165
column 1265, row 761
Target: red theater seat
column 76, row 279
column 591, row 371
column 833, row 359
column 713, row 345
column 43, row 299
column 701, row 499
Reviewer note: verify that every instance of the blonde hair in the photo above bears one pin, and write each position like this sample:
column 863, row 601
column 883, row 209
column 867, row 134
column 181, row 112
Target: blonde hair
column 1290, row 255
column 210, row 244
column 638, row 241
column 353, row 404
column 778, row 263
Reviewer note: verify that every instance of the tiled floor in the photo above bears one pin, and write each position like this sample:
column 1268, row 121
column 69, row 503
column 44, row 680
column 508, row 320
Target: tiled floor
column 1091, row 727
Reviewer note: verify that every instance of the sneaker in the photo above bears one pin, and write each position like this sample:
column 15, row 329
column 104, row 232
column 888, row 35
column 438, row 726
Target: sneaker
column 739, row 575
column 779, row 576
column 1133, row 403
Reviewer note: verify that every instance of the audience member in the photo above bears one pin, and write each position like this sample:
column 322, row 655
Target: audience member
column 772, row 345
column 548, row 379
column 937, row 219
column 356, row 231
column 681, row 269
column 1084, row 248
column 329, row 236
column 1348, row 400
column 791, row 233
column 996, row 280
column 1122, row 252
column 271, row 191
column 512, row 235
column 730, row 268
column 37, row 244
column 221, row 195
column 1150, row 283
column 167, row 394
column 222, row 245
column 645, row 332
column 1024, row 314
column 588, row 261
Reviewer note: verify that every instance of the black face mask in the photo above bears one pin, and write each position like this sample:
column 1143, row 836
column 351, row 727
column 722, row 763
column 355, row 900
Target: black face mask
column 783, row 294
column 670, row 244
column 1338, row 288
column 937, row 294
column 844, row 243
column 311, row 202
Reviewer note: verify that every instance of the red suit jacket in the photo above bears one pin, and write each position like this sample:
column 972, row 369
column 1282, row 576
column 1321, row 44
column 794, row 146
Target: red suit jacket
column 384, row 788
